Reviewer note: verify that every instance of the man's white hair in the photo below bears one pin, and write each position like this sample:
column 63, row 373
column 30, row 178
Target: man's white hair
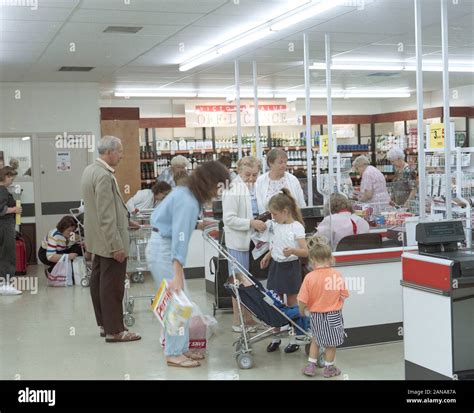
column 179, row 160
column 108, row 143
column 395, row 153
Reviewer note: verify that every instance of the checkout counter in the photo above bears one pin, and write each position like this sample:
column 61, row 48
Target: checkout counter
column 373, row 312
column 438, row 304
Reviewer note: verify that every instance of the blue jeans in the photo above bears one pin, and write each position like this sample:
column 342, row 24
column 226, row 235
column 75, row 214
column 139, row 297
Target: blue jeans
column 158, row 255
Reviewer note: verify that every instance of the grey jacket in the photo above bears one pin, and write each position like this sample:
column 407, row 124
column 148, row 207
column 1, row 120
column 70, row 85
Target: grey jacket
column 106, row 217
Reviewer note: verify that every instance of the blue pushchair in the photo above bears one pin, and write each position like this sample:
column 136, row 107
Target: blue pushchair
column 264, row 305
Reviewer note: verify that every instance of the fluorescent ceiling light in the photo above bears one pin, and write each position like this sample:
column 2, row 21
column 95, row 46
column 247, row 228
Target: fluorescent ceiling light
column 305, row 14
column 156, row 94
column 391, row 66
column 244, row 41
column 291, row 95
column 346, row 94
column 290, row 18
column 25, row 138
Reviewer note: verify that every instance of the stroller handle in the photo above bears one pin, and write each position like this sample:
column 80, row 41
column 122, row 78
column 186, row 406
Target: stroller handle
column 206, row 233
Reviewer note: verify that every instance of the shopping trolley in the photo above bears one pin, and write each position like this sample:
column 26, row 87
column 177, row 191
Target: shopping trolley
column 252, row 295
column 136, row 262
column 77, row 214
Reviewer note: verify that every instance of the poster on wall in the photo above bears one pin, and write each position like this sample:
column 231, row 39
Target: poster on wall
column 63, row 161
column 205, row 115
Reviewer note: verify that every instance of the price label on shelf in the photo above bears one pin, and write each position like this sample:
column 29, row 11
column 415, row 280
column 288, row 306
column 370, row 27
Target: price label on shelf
column 297, row 148
column 437, row 136
column 191, row 152
column 203, row 151
column 158, row 153
column 324, row 142
column 172, row 152
column 218, row 151
column 287, row 148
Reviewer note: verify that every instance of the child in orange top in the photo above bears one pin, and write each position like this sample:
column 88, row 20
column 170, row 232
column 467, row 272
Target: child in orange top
column 323, row 293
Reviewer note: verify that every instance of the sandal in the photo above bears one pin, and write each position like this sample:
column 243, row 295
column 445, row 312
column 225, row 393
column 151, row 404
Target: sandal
column 186, row 363
column 122, row 337
column 102, row 331
column 194, row 356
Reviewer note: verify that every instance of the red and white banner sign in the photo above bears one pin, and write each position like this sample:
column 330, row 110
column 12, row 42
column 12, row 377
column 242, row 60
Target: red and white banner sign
column 218, row 115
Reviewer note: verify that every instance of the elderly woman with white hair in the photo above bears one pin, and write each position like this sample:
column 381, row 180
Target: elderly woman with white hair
column 373, row 188
column 178, row 166
column 404, row 182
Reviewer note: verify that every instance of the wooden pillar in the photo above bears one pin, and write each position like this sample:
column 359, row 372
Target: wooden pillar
column 124, row 123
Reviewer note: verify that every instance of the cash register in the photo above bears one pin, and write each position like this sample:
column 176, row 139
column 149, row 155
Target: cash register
column 438, row 304
column 442, row 240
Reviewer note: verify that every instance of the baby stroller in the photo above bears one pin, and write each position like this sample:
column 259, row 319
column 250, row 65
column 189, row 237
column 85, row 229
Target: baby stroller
column 264, row 305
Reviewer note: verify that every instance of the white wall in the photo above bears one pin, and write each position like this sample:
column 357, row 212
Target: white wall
column 49, row 107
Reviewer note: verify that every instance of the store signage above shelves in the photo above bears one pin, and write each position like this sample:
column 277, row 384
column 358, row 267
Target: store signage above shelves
column 218, row 115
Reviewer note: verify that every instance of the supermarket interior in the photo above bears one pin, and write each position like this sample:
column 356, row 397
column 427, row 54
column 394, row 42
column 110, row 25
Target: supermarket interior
column 338, row 135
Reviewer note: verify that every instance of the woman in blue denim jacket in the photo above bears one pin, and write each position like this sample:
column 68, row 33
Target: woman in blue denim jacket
column 174, row 221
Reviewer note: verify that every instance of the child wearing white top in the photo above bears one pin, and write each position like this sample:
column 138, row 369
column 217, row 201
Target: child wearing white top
column 287, row 245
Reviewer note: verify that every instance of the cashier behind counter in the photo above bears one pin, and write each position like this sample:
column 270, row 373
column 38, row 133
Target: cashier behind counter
column 342, row 222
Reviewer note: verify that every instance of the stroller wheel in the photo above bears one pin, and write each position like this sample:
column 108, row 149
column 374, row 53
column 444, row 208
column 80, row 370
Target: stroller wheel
column 129, row 320
column 245, row 361
column 85, row 282
column 141, row 278
column 135, row 277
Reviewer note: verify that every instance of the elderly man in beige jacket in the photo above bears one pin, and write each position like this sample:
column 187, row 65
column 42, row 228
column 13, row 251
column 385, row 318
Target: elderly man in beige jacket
column 106, row 221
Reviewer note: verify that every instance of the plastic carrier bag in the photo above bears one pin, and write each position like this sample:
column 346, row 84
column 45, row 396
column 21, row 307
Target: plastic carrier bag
column 61, row 275
column 79, row 270
column 201, row 329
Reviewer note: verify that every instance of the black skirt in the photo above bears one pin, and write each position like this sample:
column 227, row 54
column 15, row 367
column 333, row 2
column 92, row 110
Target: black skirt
column 284, row 277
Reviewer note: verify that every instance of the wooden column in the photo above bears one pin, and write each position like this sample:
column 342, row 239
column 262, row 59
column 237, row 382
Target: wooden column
column 124, row 123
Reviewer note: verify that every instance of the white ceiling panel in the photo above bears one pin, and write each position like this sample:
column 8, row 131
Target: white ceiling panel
column 40, row 14
column 96, row 29
column 131, row 18
column 28, row 26
column 152, row 56
column 22, row 46
column 18, row 56
column 42, row 37
column 171, row 6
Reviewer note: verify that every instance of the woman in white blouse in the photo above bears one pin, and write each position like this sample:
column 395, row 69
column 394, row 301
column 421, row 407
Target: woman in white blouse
column 272, row 182
column 239, row 207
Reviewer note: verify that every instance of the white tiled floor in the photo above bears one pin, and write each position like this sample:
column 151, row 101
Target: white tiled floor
column 52, row 335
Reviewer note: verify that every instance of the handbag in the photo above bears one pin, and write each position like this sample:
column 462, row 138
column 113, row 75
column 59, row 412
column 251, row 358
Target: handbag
column 61, row 275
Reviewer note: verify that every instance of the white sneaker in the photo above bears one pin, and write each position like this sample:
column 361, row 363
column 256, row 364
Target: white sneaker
column 7, row 289
column 238, row 329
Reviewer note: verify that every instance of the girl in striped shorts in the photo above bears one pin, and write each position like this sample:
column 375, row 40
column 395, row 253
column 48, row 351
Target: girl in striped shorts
column 323, row 293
